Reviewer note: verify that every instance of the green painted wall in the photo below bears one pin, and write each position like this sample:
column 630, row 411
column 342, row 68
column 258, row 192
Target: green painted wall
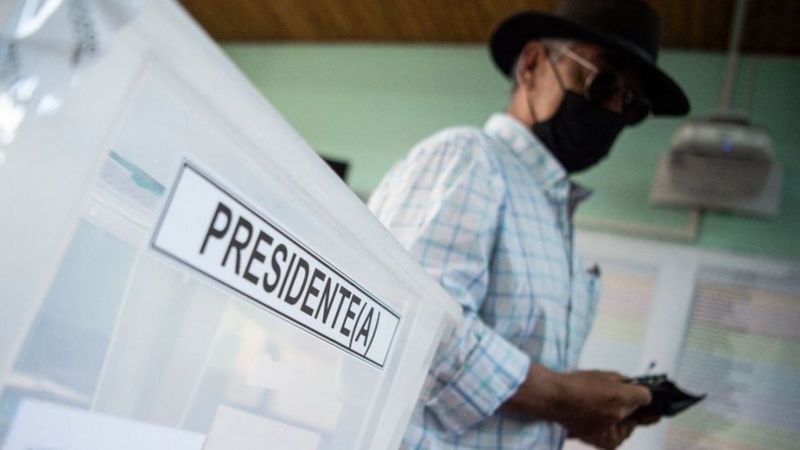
column 370, row 104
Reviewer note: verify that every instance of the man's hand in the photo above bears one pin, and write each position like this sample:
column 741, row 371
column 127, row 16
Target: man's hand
column 611, row 437
column 594, row 406
column 616, row 434
column 592, row 402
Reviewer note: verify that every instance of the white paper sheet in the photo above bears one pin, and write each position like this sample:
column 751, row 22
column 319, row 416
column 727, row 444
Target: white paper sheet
column 44, row 425
column 234, row 428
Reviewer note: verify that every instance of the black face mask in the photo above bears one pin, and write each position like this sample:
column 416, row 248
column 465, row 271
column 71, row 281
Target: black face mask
column 580, row 133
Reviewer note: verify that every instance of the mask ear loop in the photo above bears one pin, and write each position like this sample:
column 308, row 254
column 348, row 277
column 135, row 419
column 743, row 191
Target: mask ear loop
column 548, row 55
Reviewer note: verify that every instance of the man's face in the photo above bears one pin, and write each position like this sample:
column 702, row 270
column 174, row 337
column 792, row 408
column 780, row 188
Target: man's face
column 579, row 129
column 575, row 68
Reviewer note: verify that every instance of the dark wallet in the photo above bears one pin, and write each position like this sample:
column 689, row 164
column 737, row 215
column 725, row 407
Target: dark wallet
column 668, row 399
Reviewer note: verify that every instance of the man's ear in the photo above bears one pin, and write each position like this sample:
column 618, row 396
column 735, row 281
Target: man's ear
column 527, row 63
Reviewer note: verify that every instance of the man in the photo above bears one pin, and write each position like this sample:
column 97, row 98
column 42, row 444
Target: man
column 488, row 213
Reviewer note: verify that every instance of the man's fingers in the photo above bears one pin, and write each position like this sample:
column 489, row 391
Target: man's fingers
column 631, row 398
column 638, row 396
column 612, row 437
column 622, row 431
column 626, row 429
column 614, row 376
column 645, row 418
column 649, row 419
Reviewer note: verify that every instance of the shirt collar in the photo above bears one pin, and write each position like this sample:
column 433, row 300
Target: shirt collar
column 543, row 166
column 577, row 195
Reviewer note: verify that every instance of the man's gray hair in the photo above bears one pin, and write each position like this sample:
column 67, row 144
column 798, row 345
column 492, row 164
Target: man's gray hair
column 550, row 45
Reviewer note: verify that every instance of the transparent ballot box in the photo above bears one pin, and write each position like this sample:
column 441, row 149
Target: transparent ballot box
column 179, row 269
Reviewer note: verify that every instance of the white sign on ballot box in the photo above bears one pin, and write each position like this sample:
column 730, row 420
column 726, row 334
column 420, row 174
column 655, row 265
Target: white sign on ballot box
column 205, row 227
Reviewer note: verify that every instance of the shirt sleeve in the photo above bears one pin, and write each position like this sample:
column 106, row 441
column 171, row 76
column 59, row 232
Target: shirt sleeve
column 443, row 204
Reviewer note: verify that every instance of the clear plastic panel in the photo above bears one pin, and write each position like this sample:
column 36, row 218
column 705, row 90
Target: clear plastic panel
column 99, row 330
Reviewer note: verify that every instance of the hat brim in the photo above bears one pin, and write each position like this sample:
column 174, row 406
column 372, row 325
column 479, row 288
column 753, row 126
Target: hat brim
column 511, row 36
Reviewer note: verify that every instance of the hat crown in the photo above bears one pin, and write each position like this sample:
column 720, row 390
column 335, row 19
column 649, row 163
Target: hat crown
column 633, row 23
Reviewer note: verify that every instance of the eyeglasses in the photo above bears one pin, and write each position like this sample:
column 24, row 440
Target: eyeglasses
column 601, row 86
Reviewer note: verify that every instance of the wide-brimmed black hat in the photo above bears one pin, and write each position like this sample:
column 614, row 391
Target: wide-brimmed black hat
column 629, row 26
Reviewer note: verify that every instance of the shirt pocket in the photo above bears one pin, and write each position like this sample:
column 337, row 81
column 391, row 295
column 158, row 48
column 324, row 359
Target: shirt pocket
column 586, row 294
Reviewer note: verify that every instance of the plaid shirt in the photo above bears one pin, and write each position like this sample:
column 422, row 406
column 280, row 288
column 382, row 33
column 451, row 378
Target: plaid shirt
column 488, row 214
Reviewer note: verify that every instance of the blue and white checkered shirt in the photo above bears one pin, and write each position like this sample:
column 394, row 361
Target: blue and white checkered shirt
column 488, row 214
